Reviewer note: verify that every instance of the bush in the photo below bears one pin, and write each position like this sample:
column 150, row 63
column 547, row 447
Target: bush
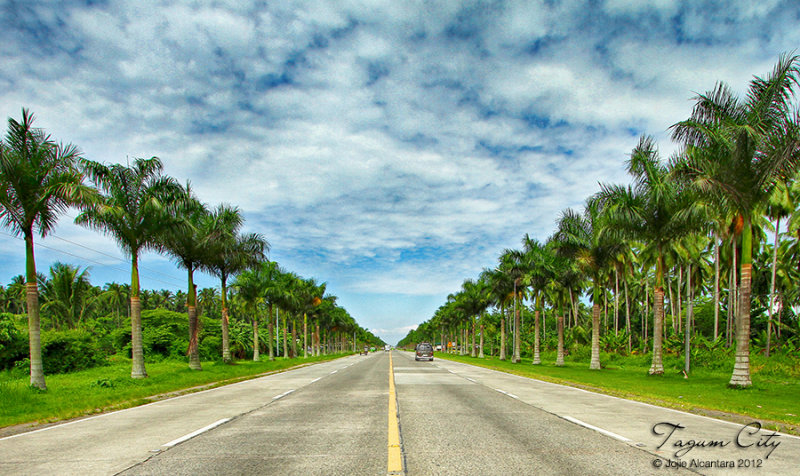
column 13, row 340
column 68, row 351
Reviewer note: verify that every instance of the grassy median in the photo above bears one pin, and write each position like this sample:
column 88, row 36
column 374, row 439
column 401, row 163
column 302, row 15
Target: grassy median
column 772, row 399
column 110, row 387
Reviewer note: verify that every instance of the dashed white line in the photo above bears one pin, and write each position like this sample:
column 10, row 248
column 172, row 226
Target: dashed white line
column 471, row 380
column 283, row 394
column 318, row 378
column 502, row 391
column 512, row 395
column 197, row 432
column 592, row 427
column 334, row 372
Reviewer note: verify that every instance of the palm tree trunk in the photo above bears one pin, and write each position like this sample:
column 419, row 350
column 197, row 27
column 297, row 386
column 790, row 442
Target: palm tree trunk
column 517, row 330
column 472, row 348
column 502, row 334
column 480, row 354
column 256, row 345
column 716, row 285
column 32, row 304
column 741, row 368
column 285, row 342
column 294, row 338
column 137, row 350
column 226, row 339
column 191, row 310
column 772, row 283
column 657, row 367
column 595, row 362
column 271, row 330
column 687, row 344
column 316, row 352
column 305, row 335
column 627, row 314
column 560, row 325
column 536, row 357
column 616, row 301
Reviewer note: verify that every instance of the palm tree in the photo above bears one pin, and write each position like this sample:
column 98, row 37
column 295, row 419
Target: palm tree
column 537, row 267
column 67, row 294
column 231, row 253
column 754, row 144
column 654, row 211
column 38, row 182
column 133, row 209
column 511, row 264
column 250, row 289
column 186, row 243
column 579, row 238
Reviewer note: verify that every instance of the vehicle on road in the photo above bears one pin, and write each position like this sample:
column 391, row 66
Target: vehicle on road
column 365, row 351
column 424, row 351
column 387, row 348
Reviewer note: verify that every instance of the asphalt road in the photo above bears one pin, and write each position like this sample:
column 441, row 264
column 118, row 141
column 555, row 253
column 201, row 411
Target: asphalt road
column 331, row 419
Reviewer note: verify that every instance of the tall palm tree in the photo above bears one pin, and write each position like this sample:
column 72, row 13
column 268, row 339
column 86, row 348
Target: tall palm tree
column 133, row 210
column 756, row 141
column 655, row 211
column 38, row 182
column 511, row 263
column 189, row 247
column 230, row 253
column 579, row 238
column 250, row 289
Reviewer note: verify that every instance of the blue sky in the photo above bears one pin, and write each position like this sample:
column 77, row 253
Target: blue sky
column 391, row 149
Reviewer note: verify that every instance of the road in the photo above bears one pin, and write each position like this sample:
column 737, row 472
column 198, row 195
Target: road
column 331, row 418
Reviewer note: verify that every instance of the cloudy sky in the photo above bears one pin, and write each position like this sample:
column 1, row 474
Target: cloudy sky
column 389, row 148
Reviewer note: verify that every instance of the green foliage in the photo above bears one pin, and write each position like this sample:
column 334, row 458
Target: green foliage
column 13, row 340
column 70, row 350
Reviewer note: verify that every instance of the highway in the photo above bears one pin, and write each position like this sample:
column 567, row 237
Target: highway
column 336, row 418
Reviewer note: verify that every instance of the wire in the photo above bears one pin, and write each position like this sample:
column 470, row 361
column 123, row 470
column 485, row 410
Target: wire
column 91, row 260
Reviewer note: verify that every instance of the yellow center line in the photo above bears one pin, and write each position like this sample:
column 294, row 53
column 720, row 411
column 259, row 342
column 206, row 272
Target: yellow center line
column 395, row 457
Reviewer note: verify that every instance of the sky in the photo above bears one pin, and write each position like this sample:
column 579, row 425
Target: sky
column 390, row 149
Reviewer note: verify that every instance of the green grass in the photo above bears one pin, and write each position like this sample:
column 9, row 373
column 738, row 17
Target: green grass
column 110, row 387
column 772, row 399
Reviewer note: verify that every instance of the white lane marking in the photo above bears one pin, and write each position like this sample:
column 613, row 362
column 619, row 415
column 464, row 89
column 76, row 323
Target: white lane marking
column 283, row 394
column 318, row 378
column 502, row 391
column 195, row 433
column 471, row 380
column 334, row 372
column 512, row 395
column 592, row 427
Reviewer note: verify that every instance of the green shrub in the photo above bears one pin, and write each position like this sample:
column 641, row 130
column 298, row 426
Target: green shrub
column 13, row 340
column 68, row 351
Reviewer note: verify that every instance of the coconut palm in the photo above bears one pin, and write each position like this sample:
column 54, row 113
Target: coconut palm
column 38, row 182
column 133, row 210
column 655, row 211
column 230, row 253
column 755, row 141
column 67, row 295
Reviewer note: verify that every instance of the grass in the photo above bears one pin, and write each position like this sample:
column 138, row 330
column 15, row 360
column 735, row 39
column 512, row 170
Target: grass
column 110, row 387
column 772, row 399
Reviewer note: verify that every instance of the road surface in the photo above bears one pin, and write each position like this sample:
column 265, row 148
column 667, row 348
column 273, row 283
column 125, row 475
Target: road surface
column 338, row 417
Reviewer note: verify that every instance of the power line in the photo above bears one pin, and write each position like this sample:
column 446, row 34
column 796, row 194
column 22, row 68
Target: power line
column 91, row 260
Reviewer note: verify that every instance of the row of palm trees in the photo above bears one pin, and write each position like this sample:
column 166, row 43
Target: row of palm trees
column 737, row 169
column 141, row 208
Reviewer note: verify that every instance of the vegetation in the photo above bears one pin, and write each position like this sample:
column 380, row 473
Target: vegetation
column 680, row 251
column 80, row 326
